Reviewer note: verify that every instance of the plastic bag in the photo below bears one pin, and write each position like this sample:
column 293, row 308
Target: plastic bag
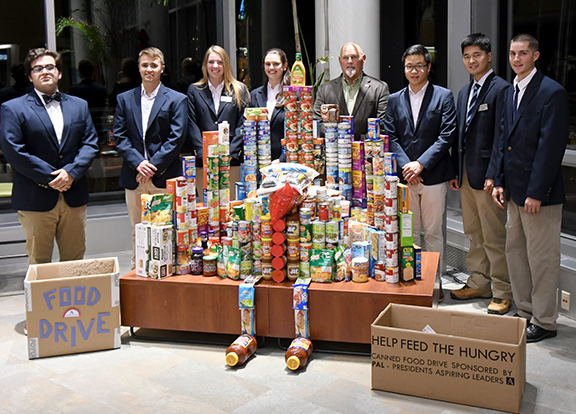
column 286, row 167
column 282, row 202
column 276, row 180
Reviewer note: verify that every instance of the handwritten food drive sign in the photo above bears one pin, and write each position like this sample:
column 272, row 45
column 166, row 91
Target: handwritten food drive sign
column 68, row 314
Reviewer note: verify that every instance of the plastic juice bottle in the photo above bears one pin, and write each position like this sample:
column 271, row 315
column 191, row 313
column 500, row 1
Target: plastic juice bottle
column 298, row 72
column 240, row 350
column 297, row 355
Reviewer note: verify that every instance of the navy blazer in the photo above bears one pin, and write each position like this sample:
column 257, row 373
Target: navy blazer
column 430, row 140
column 476, row 144
column 202, row 116
column 371, row 102
column 532, row 146
column 258, row 99
column 30, row 145
column 165, row 135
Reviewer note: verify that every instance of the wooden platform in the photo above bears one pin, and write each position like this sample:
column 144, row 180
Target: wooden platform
column 340, row 312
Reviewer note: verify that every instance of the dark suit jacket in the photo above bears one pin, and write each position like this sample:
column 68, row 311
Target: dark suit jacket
column 258, row 99
column 371, row 102
column 477, row 143
column 202, row 116
column 30, row 145
column 430, row 140
column 531, row 147
column 167, row 127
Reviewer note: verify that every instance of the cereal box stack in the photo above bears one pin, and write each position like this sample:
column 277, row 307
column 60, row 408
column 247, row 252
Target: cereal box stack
column 358, row 175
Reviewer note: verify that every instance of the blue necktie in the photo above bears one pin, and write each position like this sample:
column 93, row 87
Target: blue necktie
column 472, row 103
column 515, row 103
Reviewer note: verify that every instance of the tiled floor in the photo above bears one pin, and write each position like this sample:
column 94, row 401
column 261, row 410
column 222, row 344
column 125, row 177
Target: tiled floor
column 174, row 377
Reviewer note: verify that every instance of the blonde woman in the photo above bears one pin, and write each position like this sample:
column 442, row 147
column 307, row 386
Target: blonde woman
column 216, row 98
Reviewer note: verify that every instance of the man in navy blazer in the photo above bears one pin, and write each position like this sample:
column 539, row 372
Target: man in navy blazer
column 50, row 141
column 150, row 126
column 479, row 113
column 421, row 123
column 534, row 134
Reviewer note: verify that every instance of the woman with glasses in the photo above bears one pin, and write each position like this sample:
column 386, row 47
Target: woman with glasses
column 217, row 97
column 270, row 96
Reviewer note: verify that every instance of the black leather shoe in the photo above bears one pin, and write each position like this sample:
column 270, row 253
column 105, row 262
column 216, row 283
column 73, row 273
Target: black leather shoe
column 534, row 333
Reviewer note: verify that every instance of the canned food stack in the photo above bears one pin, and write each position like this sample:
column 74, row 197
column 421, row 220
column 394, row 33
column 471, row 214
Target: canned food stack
column 319, row 160
column 293, row 246
column 378, row 183
column 279, row 250
column 189, row 173
column 331, row 141
column 245, row 245
column 291, row 123
column 391, row 226
column 250, row 165
column 266, row 231
column 306, row 132
column 182, row 219
column 306, row 215
column 264, row 143
column 358, row 175
column 212, row 189
column 345, row 135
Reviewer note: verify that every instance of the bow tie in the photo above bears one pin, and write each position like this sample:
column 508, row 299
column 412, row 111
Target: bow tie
column 56, row 97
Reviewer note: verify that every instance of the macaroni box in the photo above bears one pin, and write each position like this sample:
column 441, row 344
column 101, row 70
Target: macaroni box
column 72, row 307
column 460, row 357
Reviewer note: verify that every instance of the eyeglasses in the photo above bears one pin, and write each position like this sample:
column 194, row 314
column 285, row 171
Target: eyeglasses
column 420, row 67
column 39, row 68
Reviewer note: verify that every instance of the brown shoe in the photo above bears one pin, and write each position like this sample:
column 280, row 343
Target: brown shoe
column 499, row 306
column 467, row 293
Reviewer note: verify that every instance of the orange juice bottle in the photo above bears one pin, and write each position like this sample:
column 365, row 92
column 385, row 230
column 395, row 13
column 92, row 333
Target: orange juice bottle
column 297, row 355
column 240, row 350
column 298, row 72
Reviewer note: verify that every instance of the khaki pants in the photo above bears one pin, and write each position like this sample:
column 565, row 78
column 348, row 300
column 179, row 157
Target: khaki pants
column 533, row 254
column 64, row 223
column 485, row 227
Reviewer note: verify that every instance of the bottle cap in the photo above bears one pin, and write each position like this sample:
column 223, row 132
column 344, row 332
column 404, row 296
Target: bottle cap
column 232, row 358
column 293, row 362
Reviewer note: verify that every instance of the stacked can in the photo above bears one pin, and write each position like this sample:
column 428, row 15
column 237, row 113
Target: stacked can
column 189, row 173
column 331, row 141
column 245, row 243
column 306, row 127
column 319, row 160
column 178, row 188
column 293, row 246
column 361, row 252
column 279, row 251
column 250, row 166
column 345, row 135
column 306, row 215
column 391, row 217
column 263, row 141
column 224, row 172
column 378, row 183
column 212, row 189
column 291, row 123
column 266, row 232
column 358, row 175
column 253, row 213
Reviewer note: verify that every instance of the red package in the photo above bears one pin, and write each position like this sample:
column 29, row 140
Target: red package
column 282, row 202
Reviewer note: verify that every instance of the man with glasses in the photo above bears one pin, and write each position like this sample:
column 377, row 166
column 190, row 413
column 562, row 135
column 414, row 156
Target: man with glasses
column 150, row 126
column 50, row 141
column 532, row 142
column 421, row 123
column 355, row 92
column 479, row 114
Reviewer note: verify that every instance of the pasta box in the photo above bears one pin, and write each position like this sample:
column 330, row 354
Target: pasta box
column 72, row 307
column 460, row 357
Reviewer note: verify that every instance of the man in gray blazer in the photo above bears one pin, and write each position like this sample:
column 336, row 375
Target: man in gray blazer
column 355, row 92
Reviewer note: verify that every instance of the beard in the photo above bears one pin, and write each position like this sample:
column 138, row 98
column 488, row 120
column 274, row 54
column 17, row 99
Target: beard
column 350, row 72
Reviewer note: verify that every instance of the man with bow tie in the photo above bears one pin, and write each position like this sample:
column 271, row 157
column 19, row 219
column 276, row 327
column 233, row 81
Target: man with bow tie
column 150, row 126
column 50, row 141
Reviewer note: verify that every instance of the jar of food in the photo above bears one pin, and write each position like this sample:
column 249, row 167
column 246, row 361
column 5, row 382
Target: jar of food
column 297, row 354
column 210, row 265
column 240, row 350
column 196, row 262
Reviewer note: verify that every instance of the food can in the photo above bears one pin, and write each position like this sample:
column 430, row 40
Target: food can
column 380, row 271
column 257, row 212
column 257, row 250
column 318, row 231
column 392, row 274
column 380, row 220
column 305, row 233
column 391, row 257
column 391, row 241
column 391, row 224
column 305, row 249
column 267, row 270
column 244, row 231
column 308, row 209
column 337, row 211
column 332, row 232
column 248, row 208
column 245, row 269
column 360, row 269
column 293, row 249
column 305, row 269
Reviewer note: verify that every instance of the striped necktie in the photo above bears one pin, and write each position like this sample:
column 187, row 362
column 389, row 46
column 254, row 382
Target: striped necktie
column 472, row 103
column 515, row 103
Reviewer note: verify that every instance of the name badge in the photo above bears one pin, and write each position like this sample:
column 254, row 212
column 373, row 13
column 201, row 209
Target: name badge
column 483, row 107
column 226, row 99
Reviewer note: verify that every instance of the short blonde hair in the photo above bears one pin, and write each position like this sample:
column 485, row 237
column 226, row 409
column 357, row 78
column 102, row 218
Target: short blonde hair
column 153, row 52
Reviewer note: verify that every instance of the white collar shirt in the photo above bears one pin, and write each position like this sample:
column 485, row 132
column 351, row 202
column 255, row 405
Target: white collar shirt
column 216, row 94
column 523, row 84
column 147, row 101
column 271, row 101
column 54, row 110
column 481, row 83
column 416, row 101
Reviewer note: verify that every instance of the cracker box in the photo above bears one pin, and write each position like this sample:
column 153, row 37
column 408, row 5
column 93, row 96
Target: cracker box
column 460, row 357
column 72, row 307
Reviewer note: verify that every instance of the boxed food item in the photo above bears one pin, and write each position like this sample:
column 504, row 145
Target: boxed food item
column 461, row 357
column 72, row 307
column 161, row 252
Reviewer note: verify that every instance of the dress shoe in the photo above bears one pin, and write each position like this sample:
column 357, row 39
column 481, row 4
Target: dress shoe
column 499, row 306
column 534, row 333
column 467, row 293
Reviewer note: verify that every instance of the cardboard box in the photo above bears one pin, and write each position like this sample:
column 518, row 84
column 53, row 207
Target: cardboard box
column 471, row 359
column 72, row 307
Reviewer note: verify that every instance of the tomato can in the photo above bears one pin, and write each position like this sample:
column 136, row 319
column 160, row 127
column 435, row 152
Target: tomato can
column 380, row 271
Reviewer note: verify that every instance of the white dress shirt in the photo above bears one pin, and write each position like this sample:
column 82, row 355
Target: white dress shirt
column 147, row 101
column 481, row 83
column 416, row 101
column 55, row 113
column 523, row 84
column 216, row 94
column 271, row 101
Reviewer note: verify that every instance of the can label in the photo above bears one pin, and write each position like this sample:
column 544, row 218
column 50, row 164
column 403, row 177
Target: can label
column 332, row 232
column 324, row 211
column 293, row 250
column 392, row 275
column 380, row 271
column 267, row 249
column 318, row 231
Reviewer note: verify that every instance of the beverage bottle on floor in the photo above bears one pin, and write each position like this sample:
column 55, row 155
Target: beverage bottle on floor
column 297, row 354
column 240, row 350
